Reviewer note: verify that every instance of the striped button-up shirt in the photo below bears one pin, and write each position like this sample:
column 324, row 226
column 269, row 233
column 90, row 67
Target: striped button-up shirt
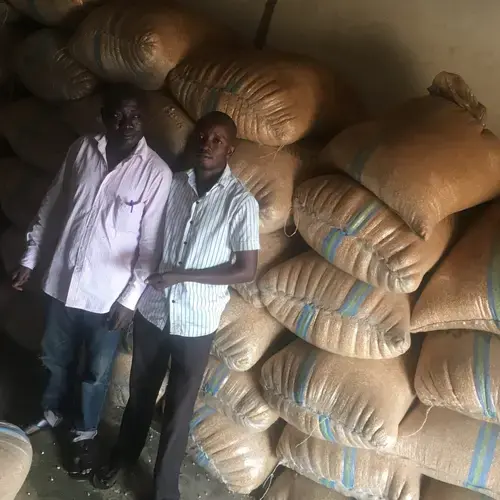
column 200, row 232
column 110, row 226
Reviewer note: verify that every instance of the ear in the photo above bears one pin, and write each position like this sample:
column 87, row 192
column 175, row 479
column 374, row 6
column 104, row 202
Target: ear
column 230, row 151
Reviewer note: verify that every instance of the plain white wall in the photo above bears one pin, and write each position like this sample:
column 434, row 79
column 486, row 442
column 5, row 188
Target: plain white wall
column 390, row 50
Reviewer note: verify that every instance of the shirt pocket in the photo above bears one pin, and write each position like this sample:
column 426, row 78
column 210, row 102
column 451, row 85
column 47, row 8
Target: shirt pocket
column 128, row 215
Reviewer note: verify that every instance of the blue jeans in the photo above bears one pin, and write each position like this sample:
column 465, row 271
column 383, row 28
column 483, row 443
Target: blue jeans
column 68, row 333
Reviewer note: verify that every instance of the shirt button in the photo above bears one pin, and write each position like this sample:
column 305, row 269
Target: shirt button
column 190, row 221
column 173, row 301
column 179, row 263
column 185, row 243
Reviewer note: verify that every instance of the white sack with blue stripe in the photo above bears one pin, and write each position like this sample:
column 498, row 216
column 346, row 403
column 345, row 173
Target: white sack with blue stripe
column 437, row 490
column 237, row 395
column 334, row 311
column 354, row 402
column 240, row 460
column 352, row 229
column 356, row 473
column 452, row 448
column 427, row 159
column 275, row 248
column 464, row 292
column 293, row 486
column 460, row 370
column 15, row 460
column 245, row 333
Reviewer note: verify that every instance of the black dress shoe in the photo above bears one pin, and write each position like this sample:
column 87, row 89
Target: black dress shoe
column 80, row 464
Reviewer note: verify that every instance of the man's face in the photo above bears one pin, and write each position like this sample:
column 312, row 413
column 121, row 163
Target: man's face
column 211, row 146
column 124, row 122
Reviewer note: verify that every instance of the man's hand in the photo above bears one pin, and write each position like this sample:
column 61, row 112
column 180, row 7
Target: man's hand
column 120, row 317
column 20, row 278
column 162, row 281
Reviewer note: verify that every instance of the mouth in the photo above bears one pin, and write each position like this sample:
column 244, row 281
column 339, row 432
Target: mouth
column 204, row 156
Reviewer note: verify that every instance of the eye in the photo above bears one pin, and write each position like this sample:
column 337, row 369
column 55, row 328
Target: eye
column 217, row 140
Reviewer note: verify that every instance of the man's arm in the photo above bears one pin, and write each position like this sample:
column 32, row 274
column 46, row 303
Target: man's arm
column 37, row 231
column 150, row 245
column 244, row 241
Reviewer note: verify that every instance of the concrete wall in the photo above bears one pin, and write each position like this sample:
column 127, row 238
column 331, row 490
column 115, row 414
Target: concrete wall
column 389, row 49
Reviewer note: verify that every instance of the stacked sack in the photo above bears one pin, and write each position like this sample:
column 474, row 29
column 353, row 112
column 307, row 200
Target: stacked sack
column 284, row 106
column 458, row 375
column 347, row 390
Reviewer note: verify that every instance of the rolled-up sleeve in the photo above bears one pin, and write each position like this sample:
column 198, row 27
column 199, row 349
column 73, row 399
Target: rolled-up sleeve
column 244, row 229
column 150, row 240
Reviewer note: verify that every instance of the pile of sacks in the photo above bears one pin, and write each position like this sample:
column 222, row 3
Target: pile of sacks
column 346, row 388
column 285, row 107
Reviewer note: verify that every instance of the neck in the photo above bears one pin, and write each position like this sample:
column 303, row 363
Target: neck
column 206, row 180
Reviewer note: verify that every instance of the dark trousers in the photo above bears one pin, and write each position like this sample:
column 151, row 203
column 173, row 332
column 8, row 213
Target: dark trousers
column 67, row 332
column 188, row 359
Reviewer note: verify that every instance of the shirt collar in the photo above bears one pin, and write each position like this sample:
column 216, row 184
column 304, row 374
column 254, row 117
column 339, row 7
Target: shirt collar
column 223, row 181
column 139, row 150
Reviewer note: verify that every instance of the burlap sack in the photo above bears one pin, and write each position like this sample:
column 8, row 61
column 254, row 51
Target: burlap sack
column 237, row 395
column 426, row 160
column 436, row 490
column 22, row 204
column 293, row 486
column 8, row 14
column 270, row 174
column 353, row 402
column 460, row 370
column 352, row 229
column 452, row 448
column 141, row 43
column 13, row 172
column 464, row 291
column 274, row 98
column 12, row 247
column 335, row 312
column 10, row 38
column 357, row 473
column 83, row 116
column 36, row 134
column 54, row 12
column 118, row 390
column 48, row 71
column 245, row 333
column 275, row 248
column 240, row 460
column 15, row 460
column 24, row 321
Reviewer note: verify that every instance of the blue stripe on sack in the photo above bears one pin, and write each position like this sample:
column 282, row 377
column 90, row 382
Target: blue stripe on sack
column 355, row 298
column 303, row 377
column 359, row 220
column 326, row 428
column 328, row 483
column 482, row 458
column 493, row 283
column 216, row 381
column 200, row 415
column 304, row 320
column 201, row 458
column 14, row 431
column 349, row 470
column 356, row 167
column 482, row 379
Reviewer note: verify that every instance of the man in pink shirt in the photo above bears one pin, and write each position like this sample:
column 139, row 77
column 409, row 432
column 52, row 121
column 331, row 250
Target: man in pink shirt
column 109, row 202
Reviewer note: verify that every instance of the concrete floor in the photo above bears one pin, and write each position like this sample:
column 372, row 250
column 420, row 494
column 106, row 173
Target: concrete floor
column 20, row 387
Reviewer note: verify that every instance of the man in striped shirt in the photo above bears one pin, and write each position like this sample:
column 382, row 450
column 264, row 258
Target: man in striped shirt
column 108, row 203
column 211, row 241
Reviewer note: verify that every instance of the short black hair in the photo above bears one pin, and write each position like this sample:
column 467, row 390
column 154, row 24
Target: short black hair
column 222, row 119
column 114, row 94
